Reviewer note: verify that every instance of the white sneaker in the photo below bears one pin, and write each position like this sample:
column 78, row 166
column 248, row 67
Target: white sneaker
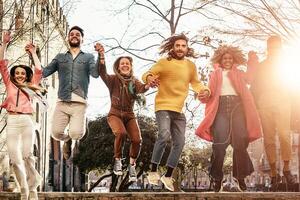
column 153, row 178
column 33, row 195
column 118, row 168
column 168, row 182
column 132, row 173
column 24, row 193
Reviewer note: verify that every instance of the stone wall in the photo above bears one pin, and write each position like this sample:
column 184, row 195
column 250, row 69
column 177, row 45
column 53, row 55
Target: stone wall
column 159, row 196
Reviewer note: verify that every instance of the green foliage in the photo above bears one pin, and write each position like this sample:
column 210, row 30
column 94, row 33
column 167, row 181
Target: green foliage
column 200, row 158
column 96, row 148
column 195, row 157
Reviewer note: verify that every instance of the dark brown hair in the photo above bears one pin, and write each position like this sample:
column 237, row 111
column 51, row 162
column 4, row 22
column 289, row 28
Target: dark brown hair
column 168, row 44
column 78, row 29
column 29, row 72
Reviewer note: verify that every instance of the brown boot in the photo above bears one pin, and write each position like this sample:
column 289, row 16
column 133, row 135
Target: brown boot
column 67, row 149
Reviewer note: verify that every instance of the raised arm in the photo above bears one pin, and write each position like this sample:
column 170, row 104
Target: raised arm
column 3, row 63
column 252, row 65
column 101, row 62
column 5, row 40
column 31, row 50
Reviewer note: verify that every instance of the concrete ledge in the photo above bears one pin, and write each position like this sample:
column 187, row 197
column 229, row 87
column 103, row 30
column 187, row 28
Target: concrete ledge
column 159, row 196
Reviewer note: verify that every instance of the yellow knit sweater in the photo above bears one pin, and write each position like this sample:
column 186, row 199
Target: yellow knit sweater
column 174, row 76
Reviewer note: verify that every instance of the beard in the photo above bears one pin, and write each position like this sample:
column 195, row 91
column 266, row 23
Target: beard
column 74, row 44
column 174, row 54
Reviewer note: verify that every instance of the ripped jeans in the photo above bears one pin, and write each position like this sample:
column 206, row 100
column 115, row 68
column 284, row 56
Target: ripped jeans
column 20, row 137
column 170, row 125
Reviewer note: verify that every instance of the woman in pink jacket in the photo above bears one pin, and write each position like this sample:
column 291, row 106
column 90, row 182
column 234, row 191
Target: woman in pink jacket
column 20, row 84
column 230, row 115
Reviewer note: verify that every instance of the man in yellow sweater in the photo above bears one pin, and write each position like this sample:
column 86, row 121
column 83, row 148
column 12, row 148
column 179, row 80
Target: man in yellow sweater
column 172, row 75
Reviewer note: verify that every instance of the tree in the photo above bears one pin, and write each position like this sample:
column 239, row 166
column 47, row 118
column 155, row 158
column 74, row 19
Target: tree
column 248, row 23
column 43, row 23
column 96, row 151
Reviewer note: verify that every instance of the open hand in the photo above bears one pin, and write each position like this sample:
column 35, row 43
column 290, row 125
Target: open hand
column 6, row 37
column 252, row 56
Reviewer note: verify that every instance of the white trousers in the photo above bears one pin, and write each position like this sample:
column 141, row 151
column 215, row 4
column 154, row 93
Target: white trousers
column 20, row 137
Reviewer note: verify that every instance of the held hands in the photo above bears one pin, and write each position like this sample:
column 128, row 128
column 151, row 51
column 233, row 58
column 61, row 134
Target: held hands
column 153, row 81
column 30, row 49
column 204, row 94
column 100, row 49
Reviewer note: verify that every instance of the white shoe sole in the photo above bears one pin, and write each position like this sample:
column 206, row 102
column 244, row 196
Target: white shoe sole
column 153, row 182
column 166, row 186
column 132, row 179
column 118, row 173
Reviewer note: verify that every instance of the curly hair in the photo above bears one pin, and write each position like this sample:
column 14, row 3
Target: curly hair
column 168, row 44
column 237, row 54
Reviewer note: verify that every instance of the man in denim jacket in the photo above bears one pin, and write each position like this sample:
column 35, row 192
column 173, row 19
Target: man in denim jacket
column 74, row 69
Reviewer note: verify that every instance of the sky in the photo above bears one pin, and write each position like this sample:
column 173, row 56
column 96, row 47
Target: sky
column 99, row 21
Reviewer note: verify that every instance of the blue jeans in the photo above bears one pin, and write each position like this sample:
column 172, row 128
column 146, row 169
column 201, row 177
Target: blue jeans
column 229, row 127
column 170, row 124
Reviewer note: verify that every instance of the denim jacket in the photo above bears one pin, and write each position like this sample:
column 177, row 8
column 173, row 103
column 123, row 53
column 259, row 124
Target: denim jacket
column 73, row 74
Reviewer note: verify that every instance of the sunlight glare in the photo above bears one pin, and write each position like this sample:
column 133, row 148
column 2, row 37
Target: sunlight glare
column 290, row 67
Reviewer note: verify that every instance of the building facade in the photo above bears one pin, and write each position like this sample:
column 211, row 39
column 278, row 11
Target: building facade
column 43, row 23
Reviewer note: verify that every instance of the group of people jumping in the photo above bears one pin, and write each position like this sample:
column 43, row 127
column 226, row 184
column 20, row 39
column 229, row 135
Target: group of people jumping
column 235, row 113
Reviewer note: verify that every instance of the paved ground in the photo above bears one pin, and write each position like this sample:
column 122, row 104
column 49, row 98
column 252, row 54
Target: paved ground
column 159, row 196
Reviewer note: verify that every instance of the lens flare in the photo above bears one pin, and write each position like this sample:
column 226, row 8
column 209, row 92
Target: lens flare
column 290, row 68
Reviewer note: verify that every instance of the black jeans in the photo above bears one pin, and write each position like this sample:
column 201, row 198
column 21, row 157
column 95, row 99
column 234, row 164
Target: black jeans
column 229, row 127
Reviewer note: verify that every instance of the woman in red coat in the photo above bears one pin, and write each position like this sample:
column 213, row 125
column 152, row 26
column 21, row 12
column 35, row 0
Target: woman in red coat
column 230, row 115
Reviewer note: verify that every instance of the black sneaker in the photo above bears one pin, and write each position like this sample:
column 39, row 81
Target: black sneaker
column 242, row 184
column 67, row 149
column 217, row 185
column 275, row 180
column 290, row 179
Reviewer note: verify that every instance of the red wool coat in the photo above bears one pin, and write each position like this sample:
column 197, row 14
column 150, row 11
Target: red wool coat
column 239, row 80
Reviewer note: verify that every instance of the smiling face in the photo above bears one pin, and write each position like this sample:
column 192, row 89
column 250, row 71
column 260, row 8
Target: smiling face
column 20, row 75
column 227, row 61
column 180, row 49
column 125, row 67
column 75, row 38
